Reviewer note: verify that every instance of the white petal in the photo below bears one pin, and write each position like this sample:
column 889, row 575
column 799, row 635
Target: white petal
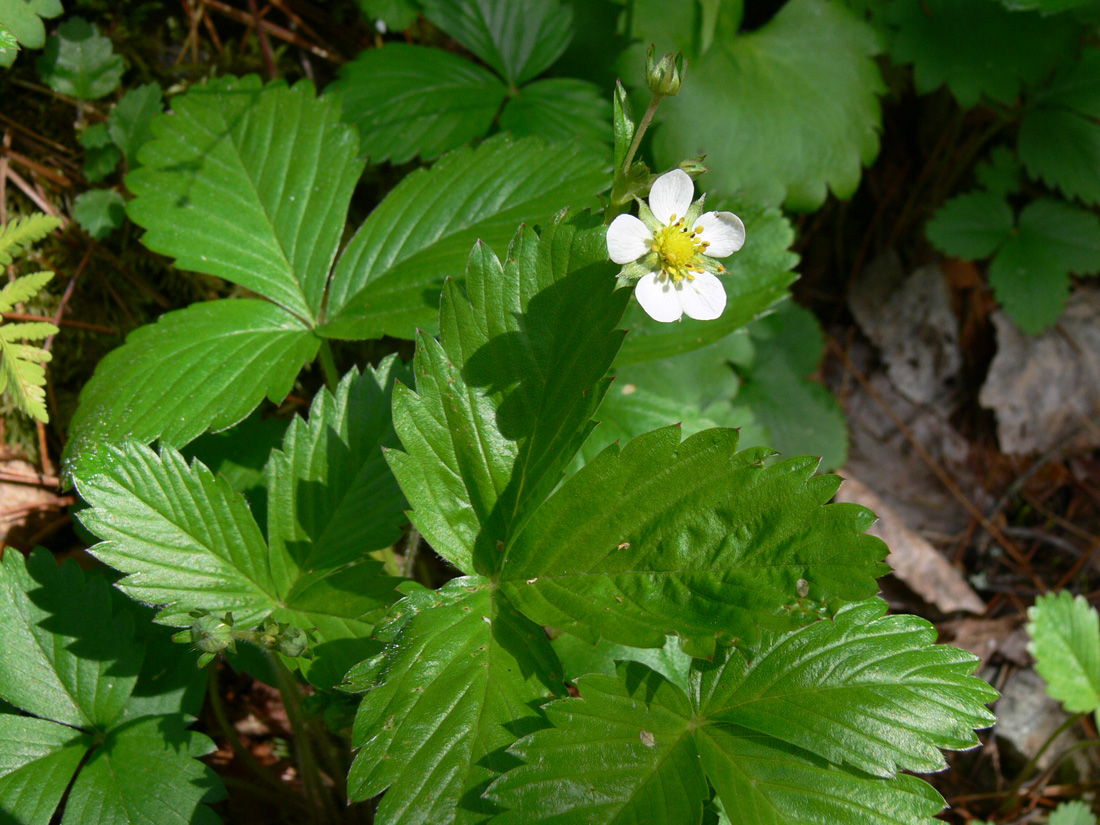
column 670, row 195
column 627, row 239
column 723, row 231
column 704, row 298
column 659, row 299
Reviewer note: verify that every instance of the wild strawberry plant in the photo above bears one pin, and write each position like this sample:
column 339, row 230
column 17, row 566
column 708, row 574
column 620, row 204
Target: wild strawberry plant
column 669, row 628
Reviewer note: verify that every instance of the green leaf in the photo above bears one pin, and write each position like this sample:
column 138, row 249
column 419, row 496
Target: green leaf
column 80, row 62
column 638, row 726
column 23, row 19
column 388, row 278
column 1076, row 87
column 560, row 109
column 971, row 226
column 76, row 663
column 1001, row 173
column 1072, row 813
column 976, row 47
column 9, row 45
column 579, row 658
column 1065, row 641
column 413, row 101
column 250, row 184
column 783, row 112
column 156, row 753
column 162, row 382
column 517, row 38
column 756, row 278
column 653, row 564
column 866, row 690
column 38, row 759
column 504, row 399
column 99, row 212
column 1030, row 275
column 460, row 679
column 331, row 500
column 800, row 415
column 784, row 731
column 21, row 372
column 101, row 156
column 130, row 121
column 1062, row 148
column 186, row 540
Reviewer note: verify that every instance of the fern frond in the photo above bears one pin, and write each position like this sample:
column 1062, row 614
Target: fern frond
column 17, row 235
column 22, row 373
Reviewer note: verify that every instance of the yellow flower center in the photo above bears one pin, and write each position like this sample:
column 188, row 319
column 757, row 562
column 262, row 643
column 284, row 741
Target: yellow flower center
column 677, row 247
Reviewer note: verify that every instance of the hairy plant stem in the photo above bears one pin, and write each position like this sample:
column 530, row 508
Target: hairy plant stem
column 269, row 781
column 620, row 192
column 304, row 740
column 328, row 366
column 412, row 548
column 1012, row 792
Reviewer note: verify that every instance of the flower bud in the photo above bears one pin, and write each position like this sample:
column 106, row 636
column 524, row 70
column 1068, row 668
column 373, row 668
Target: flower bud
column 665, row 76
column 212, row 634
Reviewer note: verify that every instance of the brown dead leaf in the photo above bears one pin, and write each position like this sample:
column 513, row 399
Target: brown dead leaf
column 914, row 561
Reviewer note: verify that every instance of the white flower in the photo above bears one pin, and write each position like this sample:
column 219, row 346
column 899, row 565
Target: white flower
column 672, row 251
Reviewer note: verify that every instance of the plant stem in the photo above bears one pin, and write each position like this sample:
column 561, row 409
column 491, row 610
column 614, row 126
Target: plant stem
column 620, row 194
column 328, row 366
column 1012, row 792
column 230, row 733
column 312, row 781
column 412, row 547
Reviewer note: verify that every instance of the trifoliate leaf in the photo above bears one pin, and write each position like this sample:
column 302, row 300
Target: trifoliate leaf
column 689, row 538
column 22, row 375
column 560, row 109
column 388, row 278
column 130, row 120
column 1030, row 274
column 1072, row 813
column 977, row 47
column 72, row 663
column 162, row 383
column 517, row 38
column 780, row 122
column 396, row 14
column 146, row 771
column 971, row 226
column 22, row 19
column 1059, row 139
column 1065, row 641
column 756, row 278
column 800, row 415
column 251, row 184
column 657, row 748
column 503, row 400
column 99, row 212
column 80, row 62
column 462, row 661
column 413, row 101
